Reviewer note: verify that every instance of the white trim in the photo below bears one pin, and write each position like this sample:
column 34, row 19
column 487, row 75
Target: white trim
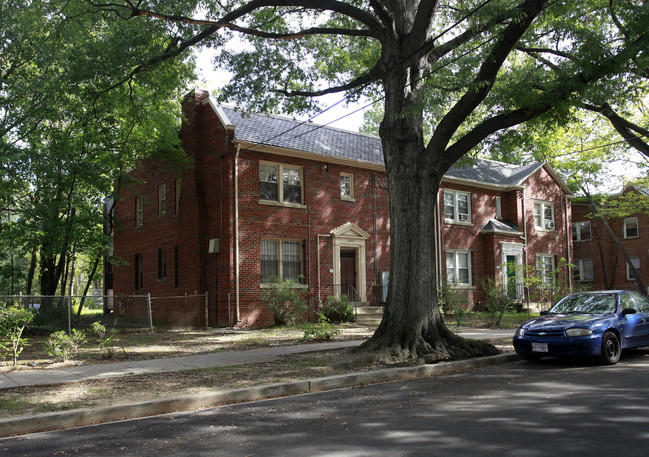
column 352, row 237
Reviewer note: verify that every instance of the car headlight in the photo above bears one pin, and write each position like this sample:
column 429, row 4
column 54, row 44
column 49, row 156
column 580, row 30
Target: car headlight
column 519, row 331
column 578, row 332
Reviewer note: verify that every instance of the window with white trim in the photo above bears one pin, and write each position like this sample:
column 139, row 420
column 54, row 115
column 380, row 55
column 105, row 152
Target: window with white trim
column 499, row 211
column 281, row 259
column 179, row 186
column 630, row 227
column 280, row 183
column 544, row 216
column 458, row 268
column 162, row 199
column 457, row 206
column 545, row 269
column 139, row 211
column 581, row 231
column 629, row 272
column 584, row 271
column 347, row 186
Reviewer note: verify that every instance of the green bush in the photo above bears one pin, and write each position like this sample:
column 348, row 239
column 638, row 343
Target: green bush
column 286, row 301
column 323, row 330
column 453, row 303
column 62, row 346
column 106, row 339
column 338, row 310
column 12, row 324
column 497, row 303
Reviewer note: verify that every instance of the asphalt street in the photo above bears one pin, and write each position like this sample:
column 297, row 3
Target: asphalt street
column 554, row 408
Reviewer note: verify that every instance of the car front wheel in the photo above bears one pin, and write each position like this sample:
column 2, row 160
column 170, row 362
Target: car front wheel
column 611, row 349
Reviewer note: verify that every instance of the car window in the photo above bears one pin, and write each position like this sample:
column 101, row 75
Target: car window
column 627, row 302
column 586, row 303
column 642, row 301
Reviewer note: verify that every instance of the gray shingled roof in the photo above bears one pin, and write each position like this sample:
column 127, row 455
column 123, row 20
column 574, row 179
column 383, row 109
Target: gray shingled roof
column 304, row 136
column 288, row 133
column 493, row 172
column 494, row 225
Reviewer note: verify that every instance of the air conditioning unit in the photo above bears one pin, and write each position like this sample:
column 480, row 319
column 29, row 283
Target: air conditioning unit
column 215, row 246
column 463, row 217
column 549, row 225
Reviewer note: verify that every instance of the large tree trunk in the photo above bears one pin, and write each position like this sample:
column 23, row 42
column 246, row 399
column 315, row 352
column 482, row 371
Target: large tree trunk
column 412, row 325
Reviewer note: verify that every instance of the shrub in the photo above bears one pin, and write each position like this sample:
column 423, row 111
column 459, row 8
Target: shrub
column 452, row 302
column 62, row 346
column 338, row 310
column 106, row 339
column 286, row 301
column 12, row 324
column 497, row 303
column 323, row 330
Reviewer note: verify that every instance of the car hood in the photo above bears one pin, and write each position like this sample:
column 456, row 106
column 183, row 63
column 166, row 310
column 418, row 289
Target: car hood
column 564, row 321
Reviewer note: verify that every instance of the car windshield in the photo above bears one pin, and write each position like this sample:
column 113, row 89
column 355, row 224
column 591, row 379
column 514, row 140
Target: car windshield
column 586, row 303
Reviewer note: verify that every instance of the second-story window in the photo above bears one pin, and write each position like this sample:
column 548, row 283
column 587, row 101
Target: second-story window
column 630, row 227
column 581, row 231
column 544, row 216
column 346, row 186
column 162, row 199
column 280, row 183
column 457, row 206
column 139, row 211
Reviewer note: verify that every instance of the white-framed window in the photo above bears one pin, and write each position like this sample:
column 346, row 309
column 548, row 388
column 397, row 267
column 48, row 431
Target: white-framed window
column 280, row 183
column 179, row 187
column 139, row 211
column 581, row 231
column 347, row 186
column 499, row 209
column 544, row 216
column 281, row 259
column 545, row 269
column 458, row 268
column 636, row 264
column 457, row 206
column 162, row 199
column 631, row 227
column 584, row 271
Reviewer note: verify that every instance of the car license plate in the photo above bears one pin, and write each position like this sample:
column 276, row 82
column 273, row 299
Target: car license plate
column 540, row 347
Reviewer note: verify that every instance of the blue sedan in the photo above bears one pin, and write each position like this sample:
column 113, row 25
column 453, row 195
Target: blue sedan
column 587, row 324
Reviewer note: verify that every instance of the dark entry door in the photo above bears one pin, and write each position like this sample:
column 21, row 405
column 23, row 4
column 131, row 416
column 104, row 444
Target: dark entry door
column 511, row 277
column 348, row 273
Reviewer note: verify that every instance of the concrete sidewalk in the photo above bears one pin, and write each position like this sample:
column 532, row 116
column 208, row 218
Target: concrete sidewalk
column 24, row 378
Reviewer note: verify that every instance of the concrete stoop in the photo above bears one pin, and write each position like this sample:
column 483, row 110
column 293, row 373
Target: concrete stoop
column 368, row 315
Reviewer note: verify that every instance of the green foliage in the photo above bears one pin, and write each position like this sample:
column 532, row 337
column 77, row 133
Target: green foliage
column 545, row 294
column 286, row 301
column 62, row 346
column 453, row 303
column 12, row 324
column 338, row 310
column 323, row 330
column 497, row 303
column 106, row 339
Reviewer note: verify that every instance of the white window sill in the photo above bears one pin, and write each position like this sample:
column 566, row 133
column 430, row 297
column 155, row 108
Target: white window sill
column 282, row 204
column 268, row 285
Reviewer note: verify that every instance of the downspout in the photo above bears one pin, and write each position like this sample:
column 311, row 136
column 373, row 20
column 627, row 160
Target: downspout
column 525, row 260
column 437, row 241
column 318, row 262
column 236, row 233
column 376, row 260
column 567, row 227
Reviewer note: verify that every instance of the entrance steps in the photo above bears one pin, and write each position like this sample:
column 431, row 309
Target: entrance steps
column 368, row 315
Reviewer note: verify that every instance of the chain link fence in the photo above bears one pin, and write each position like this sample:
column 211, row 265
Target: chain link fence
column 115, row 311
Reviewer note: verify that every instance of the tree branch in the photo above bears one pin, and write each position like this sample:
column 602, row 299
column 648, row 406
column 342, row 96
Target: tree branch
column 624, row 127
column 367, row 78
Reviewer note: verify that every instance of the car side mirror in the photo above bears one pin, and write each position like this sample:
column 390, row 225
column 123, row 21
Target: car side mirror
column 626, row 311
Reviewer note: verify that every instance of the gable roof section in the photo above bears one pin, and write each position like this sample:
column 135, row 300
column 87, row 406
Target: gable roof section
column 282, row 132
column 282, row 135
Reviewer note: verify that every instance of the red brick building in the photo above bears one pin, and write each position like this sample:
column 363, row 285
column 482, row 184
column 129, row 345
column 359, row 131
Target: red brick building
column 272, row 197
column 599, row 263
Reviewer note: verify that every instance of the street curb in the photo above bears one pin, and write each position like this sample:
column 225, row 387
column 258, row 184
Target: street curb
column 22, row 425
